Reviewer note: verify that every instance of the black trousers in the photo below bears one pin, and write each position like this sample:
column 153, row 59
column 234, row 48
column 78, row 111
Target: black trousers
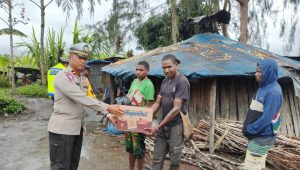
column 65, row 151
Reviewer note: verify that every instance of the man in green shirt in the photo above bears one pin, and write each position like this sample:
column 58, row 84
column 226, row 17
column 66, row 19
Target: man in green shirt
column 141, row 93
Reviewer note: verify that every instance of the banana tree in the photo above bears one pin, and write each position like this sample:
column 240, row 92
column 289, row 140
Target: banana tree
column 54, row 48
column 4, row 62
column 32, row 49
column 9, row 6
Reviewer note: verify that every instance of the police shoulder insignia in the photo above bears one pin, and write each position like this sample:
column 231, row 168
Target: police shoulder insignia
column 69, row 76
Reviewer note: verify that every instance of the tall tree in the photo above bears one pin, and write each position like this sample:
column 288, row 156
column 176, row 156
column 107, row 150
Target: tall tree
column 42, row 7
column 124, row 17
column 225, row 26
column 8, row 6
column 67, row 6
column 262, row 16
column 156, row 31
column 243, row 20
column 174, row 20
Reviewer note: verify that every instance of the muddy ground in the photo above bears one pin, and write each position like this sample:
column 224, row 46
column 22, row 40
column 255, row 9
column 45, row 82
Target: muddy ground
column 24, row 142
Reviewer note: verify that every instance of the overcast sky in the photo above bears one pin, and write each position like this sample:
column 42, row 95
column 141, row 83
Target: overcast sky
column 56, row 19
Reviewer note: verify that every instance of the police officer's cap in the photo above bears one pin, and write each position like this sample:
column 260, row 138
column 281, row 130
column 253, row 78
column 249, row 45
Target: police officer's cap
column 64, row 60
column 80, row 49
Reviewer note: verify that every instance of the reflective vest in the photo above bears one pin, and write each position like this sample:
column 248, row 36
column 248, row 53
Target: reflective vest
column 90, row 91
column 52, row 72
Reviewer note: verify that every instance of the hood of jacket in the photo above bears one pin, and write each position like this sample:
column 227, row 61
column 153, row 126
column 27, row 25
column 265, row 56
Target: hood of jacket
column 269, row 71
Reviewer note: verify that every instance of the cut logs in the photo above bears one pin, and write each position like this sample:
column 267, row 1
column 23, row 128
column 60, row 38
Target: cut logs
column 230, row 148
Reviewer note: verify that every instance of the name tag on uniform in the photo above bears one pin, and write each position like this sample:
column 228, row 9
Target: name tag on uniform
column 54, row 71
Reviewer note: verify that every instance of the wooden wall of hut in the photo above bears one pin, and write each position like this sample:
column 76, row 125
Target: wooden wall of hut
column 96, row 77
column 233, row 98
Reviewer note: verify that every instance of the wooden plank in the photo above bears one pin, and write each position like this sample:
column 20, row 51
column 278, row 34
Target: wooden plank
column 192, row 105
column 212, row 101
column 297, row 101
column 296, row 114
column 202, row 100
column 198, row 104
column 251, row 89
column 288, row 114
column 293, row 113
column 242, row 99
column 206, row 90
column 233, row 102
column 113, row 89
column 217, row 103
column 284, row 111
column 225, row 98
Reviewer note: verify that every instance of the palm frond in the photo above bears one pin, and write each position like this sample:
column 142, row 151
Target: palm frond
column 7, row 31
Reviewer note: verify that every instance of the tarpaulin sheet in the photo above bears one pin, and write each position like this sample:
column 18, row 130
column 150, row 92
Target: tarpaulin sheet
column 202, row 56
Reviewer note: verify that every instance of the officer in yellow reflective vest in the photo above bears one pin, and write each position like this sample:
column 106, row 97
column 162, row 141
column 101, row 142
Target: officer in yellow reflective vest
column 52, row 72
column 87, row 72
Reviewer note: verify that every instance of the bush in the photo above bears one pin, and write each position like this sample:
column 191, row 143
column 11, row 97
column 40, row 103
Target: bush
column 4, row 82
column 34, row 90
column 9, row 105
column 4, row 91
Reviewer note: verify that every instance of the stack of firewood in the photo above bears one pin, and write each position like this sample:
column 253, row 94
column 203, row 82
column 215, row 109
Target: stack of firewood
column 230, row 147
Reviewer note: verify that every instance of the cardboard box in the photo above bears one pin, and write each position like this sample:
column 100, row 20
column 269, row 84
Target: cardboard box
column 135, row 119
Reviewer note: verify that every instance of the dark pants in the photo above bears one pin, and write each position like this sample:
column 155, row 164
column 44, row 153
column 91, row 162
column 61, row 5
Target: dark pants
column 65, row 151
column 168, row 140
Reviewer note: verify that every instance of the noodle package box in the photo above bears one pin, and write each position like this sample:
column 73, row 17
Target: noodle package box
column 135, row 119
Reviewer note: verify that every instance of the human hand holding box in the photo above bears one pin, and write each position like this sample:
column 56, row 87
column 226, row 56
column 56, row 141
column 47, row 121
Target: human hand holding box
column 135, row 119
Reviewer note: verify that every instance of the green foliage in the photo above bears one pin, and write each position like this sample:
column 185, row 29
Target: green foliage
column 9, row 105
column 33, row 50
column 69, row 5
column 34, row 90
column 6, row 31
column 76, row 32
column 54, row 49
column 4, row 82
column 96, row 35
column 26, row 61
column 109, row 37
column 4, row 91
column 156, row 31
column 4, row 62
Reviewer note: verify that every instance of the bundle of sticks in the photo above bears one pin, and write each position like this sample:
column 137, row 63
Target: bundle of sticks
column 230, row 148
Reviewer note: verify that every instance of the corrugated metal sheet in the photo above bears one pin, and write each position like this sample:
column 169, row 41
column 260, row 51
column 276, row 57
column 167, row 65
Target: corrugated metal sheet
column 202, row 56
column 104, row 61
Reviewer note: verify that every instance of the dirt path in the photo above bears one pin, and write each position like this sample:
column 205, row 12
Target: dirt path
column 24, row 142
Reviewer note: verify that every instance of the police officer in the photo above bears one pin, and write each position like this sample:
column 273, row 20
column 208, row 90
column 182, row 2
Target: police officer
column 86, row 73
column 52, row 72
column 67, row 120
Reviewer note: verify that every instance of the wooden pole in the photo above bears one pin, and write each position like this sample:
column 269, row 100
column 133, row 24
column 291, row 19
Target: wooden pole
column 212, row 113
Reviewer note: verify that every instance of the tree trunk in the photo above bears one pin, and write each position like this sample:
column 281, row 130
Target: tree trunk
column 212, row 114
column 243, row 20
column 42, row 60
column 216, row 8
column 12, row 68
column 225, row 26
column 174, row 33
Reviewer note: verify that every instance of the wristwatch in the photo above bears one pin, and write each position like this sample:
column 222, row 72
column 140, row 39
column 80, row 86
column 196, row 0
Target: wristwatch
column 106, row 114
